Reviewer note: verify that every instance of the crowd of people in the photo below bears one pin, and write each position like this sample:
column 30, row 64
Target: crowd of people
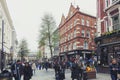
column 77, row 65
column 26, row 69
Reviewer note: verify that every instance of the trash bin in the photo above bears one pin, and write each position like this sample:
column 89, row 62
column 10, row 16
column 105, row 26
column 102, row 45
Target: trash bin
column 5, row 75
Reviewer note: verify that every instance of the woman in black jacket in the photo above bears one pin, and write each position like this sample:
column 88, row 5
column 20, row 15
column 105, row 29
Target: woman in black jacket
column 27, row 71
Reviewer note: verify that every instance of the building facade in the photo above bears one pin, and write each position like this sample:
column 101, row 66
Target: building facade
column 77, row 32
column 6, row 33
column 108, row 30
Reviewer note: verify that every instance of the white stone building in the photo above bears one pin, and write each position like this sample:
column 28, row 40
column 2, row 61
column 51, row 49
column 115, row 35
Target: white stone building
column 10, row 40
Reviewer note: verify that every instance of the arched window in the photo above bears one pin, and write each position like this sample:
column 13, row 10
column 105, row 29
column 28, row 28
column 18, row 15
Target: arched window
column 85, row 45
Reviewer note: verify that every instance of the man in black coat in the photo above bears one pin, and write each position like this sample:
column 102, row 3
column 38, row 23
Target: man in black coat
column 27, row 72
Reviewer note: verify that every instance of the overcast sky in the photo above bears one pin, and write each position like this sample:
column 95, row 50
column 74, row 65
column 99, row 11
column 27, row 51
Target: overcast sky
column 27, row 14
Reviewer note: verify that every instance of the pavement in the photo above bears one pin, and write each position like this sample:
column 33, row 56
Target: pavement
column 50, row 75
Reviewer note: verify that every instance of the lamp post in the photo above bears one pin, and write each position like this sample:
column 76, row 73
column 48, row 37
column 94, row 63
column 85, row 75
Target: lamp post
column 2, row 51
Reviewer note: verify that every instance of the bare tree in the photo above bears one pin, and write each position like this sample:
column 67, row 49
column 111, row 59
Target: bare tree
column 48, row 26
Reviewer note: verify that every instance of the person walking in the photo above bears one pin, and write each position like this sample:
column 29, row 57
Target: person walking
column 46, row 65
column 27, row 72
column 113, row 69
column 17, row 70
column 118, row 69
column 75, row 71
column 33, row 67
column 62, row 70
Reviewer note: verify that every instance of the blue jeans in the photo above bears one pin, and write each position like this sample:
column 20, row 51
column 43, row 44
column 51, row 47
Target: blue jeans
column 114, row 76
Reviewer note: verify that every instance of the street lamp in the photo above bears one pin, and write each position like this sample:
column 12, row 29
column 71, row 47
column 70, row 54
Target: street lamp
column 2, row 51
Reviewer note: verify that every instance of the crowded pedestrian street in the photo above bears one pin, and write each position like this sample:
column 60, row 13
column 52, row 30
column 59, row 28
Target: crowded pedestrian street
column 59, row 39
column 50, row 75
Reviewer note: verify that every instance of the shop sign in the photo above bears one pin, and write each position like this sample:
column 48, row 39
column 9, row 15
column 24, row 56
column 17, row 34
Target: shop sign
column 110, row 40
column 71, row 52
column 86, row 52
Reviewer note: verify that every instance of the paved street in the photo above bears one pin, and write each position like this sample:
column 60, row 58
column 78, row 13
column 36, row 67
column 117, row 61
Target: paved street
column 49, row 75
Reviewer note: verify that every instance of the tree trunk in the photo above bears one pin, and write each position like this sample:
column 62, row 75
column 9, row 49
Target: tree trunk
column 51, row 51
column 49, row 38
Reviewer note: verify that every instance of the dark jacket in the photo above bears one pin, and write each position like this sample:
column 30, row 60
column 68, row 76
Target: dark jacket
column 75, row 71
column 113, row 69
column 17, row 70
column 27, row 72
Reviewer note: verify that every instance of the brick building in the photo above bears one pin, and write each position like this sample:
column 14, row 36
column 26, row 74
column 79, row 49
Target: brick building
column 77, row 32
column 108, row 29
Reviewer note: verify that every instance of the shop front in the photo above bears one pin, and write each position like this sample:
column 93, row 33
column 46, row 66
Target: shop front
column 108, row 47
column 83, row 53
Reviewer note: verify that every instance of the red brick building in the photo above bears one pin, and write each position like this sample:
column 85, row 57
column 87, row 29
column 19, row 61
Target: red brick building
column 77, row 33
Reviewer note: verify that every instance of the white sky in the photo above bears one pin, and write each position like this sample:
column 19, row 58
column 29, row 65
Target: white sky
column 27, row 14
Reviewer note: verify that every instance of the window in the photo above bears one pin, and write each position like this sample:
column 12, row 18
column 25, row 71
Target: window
column 71, row 26
column 74, row 33
column 116, row 23
column 75, row 22
column 68, row 36
column 74, row 45
column 83, row 22
column 65, row 48
column 68, row 28
column 65, row 38
column 87, row 23
column 107, row 3
column 69, row 47
column 71, row 36
column 85, row 45
column 113, row 1
column 88, row 34
column 83, row 33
